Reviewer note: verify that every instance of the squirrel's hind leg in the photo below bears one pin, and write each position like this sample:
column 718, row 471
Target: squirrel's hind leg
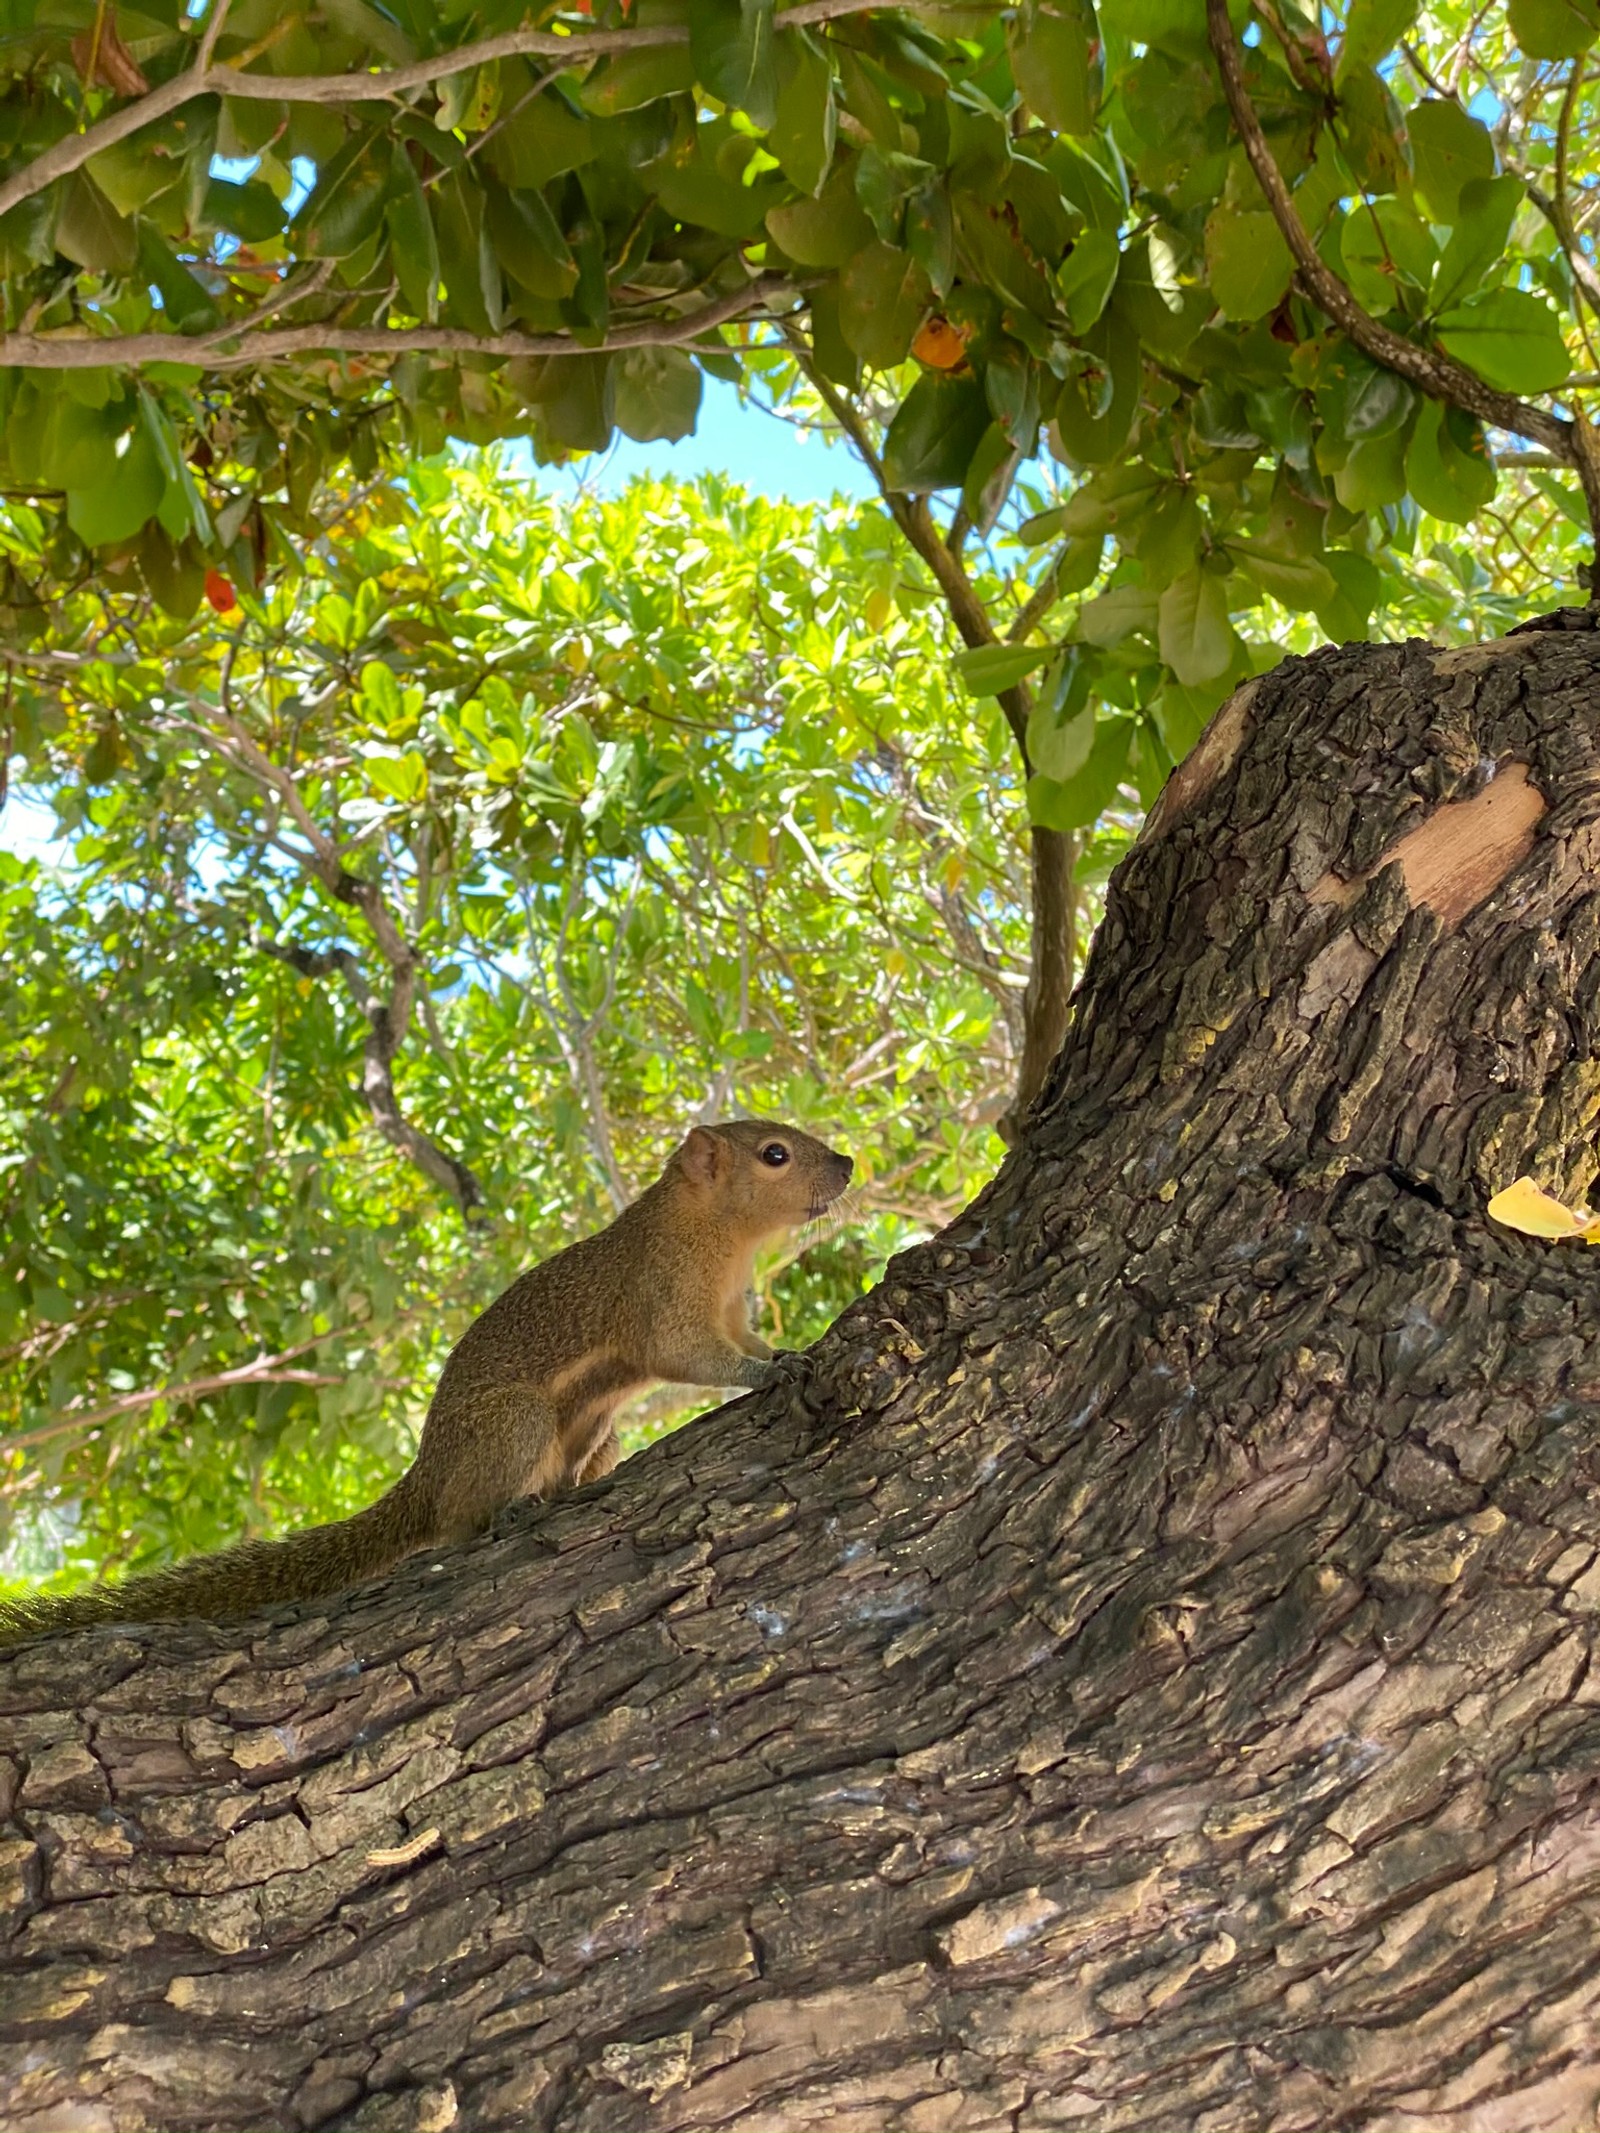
column 502, row 1444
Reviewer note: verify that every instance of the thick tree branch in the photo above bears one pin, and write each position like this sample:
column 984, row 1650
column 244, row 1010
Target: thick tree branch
column 75, row 350
column 1431, row 370
column 73, row 150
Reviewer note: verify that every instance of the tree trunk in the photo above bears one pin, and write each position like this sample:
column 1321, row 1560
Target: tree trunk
column 1137, row 1676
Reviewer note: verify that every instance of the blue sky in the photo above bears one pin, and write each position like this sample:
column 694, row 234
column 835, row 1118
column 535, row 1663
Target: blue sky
column 731, row 438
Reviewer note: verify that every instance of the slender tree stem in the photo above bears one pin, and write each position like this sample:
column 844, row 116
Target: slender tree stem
column 1431, row 370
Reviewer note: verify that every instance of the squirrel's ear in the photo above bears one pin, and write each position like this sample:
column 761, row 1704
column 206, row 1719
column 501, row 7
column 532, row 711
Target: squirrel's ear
column 700, row 1157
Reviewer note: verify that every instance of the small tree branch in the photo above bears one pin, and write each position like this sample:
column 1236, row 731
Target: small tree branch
column 74, row 349
column 1431, row 370
column 386, row 1025
column 265, row 1370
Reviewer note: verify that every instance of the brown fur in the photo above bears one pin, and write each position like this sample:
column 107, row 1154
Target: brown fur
column 525, row 1403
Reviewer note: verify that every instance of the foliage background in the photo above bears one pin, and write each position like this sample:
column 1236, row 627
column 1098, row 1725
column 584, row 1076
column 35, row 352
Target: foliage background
column 436, row 856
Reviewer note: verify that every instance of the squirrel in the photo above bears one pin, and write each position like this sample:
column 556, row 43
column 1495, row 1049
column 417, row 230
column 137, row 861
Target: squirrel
column 526, row 1400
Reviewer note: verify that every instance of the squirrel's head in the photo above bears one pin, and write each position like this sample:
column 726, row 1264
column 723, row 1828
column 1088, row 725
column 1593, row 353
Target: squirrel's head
column 760, row 1177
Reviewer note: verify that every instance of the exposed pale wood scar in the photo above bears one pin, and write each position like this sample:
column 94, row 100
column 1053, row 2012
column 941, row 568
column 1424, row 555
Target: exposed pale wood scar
column 1206, row 761
column 1462, row 853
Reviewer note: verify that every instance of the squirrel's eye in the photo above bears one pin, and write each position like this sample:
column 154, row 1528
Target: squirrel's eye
column 775, row 1154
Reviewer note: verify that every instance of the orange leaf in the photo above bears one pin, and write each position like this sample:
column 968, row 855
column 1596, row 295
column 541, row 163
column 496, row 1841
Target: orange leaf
column 220, row 592
column 940, row 345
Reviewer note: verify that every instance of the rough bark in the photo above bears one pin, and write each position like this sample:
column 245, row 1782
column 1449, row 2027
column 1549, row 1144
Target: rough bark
column 1139, row 1674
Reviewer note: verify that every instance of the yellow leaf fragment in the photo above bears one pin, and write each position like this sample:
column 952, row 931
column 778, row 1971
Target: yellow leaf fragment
column 1523, row 1206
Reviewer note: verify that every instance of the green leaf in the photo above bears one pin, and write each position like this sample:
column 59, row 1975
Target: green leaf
column 191, row 308
column 1111, row 502
column 1565, row 495
column 1193, row 630
column 126, row 489
column 469, row 268
column 1374, row 471
column 173, row 572
column 1359, row 586
column 883, row 296
column 1182, row 714
column 1168, row 535
column 731, row 45
column 827, row 231
column 657, row 394
column 805, row 122
column 346, row 205
column 181, row 509
column 1486, row 211
column 993, row 252
column 1388, row 255
column 1056, row 62
column 528, row 239
column 91, row 232
column 537, row 139
column 380, row 693
column 1158, row 298
column 1247, row 262
column 1075, row 802
column 413, row 247
column 1087, row 276
column 1123, row 612
column 1096, row 406
column 574, row 395
column 251, row 211
column 989, row 668
column 1510, row 337
column 626, row 80
column 1372, row 131
column 1448, row 148
column 1078, row 564
column 27, row 233
column 696, row 182
column 74, row 442
column 1301, row 582
column 884, row 182
column 1359, row 398
column 1372, row 30
column 930, row 234
column 990, row 474
column 834, row 358
column 935, row 433
column 1553, row 29
column 398, row 777
column 1061, row 723
column 1448, row 468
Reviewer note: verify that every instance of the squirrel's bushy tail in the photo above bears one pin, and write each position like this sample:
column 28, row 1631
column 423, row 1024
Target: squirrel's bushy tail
column 236, row 1581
